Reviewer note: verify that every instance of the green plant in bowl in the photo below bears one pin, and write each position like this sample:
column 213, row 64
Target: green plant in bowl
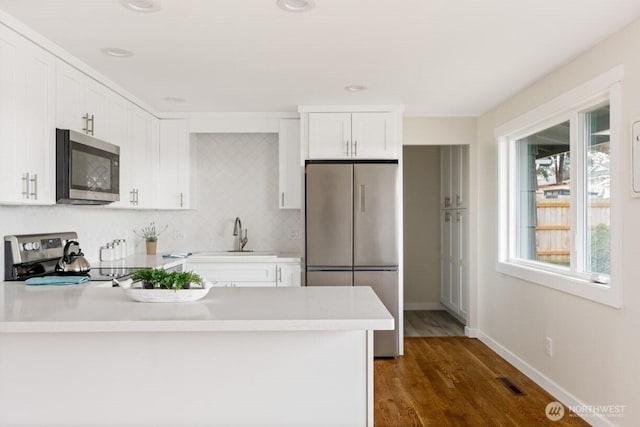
column 152, row 278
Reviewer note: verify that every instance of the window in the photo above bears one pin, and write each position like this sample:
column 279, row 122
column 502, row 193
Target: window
column 556, row 189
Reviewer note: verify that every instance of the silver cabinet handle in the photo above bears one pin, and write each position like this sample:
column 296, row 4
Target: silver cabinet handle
column 181, row 200
column 458, row 200
column 25, row 185
column 458, row 216
column 279, row 274
column 34, row 180
column 88, row 120
column 363, row 197
column 447, row 217
column 282, row 202
column 132, row 199
column 447, row 202
column 355, row 148
column 346, row 148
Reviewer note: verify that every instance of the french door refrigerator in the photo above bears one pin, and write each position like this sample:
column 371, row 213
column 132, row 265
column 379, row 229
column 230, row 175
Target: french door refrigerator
column 351, row 230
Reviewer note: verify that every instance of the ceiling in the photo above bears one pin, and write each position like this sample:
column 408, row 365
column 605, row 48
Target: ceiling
column 437, row 57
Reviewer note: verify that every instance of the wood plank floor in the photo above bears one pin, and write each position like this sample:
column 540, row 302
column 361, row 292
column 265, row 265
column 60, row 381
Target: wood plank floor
column 451, row 381
column 431, row 323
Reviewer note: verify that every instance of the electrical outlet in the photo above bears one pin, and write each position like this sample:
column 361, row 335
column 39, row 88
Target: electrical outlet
column 294, row 234
column 548, row 346
column 178, row 234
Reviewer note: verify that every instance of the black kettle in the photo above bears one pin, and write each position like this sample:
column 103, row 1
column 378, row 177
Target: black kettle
column 73, row 260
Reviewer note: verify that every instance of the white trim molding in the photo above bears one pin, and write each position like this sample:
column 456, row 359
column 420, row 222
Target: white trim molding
column 605, row 88
column 557, row 391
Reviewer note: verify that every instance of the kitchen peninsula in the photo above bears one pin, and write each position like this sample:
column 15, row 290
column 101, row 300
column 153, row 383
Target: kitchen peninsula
column 240, row 356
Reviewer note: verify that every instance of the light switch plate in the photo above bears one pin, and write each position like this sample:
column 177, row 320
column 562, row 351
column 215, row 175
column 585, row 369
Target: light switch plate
column 635, row 148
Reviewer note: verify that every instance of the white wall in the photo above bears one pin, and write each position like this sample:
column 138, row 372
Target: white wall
column 421, row 178
column 596, row 347
column 439, row 130
column 237, row 175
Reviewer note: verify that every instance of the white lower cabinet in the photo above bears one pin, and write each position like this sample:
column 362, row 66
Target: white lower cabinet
column 247, row 274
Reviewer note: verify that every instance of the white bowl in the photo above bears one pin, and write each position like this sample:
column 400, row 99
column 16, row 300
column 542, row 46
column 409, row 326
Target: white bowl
column 165, row 295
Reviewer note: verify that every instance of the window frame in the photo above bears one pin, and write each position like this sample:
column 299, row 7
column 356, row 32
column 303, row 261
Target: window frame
column 571, row 106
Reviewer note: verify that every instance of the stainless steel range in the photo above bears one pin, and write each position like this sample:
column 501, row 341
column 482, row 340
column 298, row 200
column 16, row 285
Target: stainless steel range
column 36, row 255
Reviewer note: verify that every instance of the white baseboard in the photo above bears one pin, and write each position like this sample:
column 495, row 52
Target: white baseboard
column 471, row 332
column 414, row 306
column 595, row 419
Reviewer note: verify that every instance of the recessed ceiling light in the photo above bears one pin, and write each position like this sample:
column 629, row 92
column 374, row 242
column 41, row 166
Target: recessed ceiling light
column 142, row 5
column 117, row 52
column 355, row 88
column 174, row 99
column 296, row 5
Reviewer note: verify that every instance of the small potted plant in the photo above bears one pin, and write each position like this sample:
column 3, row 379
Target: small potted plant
column 150, row 235
column 160, row 279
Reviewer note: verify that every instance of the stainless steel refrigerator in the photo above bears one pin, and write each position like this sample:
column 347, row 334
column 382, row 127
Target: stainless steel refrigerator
column 351, row 233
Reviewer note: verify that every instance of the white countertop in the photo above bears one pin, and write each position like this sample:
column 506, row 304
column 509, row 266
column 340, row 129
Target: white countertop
column 86, row 308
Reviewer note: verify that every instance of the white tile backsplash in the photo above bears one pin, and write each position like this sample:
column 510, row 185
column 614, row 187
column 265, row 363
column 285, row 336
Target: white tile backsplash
column 236, row 175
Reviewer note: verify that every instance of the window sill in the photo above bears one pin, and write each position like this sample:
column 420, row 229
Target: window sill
column 608, row 294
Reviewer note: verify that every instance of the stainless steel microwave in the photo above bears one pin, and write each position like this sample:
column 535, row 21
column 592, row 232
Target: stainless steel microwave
column 87, row 169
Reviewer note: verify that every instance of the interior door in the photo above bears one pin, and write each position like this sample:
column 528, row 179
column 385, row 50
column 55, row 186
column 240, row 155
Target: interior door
column 329, row 215
column 375, row 221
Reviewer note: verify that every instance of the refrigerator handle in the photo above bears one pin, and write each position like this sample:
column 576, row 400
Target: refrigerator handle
column 362, row 198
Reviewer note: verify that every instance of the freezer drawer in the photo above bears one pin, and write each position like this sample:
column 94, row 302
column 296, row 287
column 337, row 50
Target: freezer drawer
column 385, row 285
column 329, row 213
column 329, row 278
column 374, row 215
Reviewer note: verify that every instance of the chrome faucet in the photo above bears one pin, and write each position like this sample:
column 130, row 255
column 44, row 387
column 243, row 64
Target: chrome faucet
column 237, row 231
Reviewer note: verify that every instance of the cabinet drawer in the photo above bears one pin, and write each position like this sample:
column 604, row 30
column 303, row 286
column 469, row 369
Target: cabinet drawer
column 236, row 272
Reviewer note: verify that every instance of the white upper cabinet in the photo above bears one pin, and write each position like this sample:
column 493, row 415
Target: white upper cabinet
column 81, row 102
column 373, row 136
column 453, row 178
column 27, row 132
column 289, row 165
column 143, row 155
column 119, row 133
column 366, row 135
column 174, row 165
column 329, row 135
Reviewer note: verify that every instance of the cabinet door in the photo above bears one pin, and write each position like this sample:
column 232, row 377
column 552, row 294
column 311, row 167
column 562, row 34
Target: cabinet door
column 446, row 257
column 459, row 170
column 236, row 273
column 70, row 107
column 11, row 73
column 26, row 121
column 373, row 136
column 289, row 165
column 95, row 104
column 288, row 275
column 36, row 153
column 446, row 200
column 460, row 287
column 144, row 155
column 329, row 135
column 119, row 133
column 173, row 170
